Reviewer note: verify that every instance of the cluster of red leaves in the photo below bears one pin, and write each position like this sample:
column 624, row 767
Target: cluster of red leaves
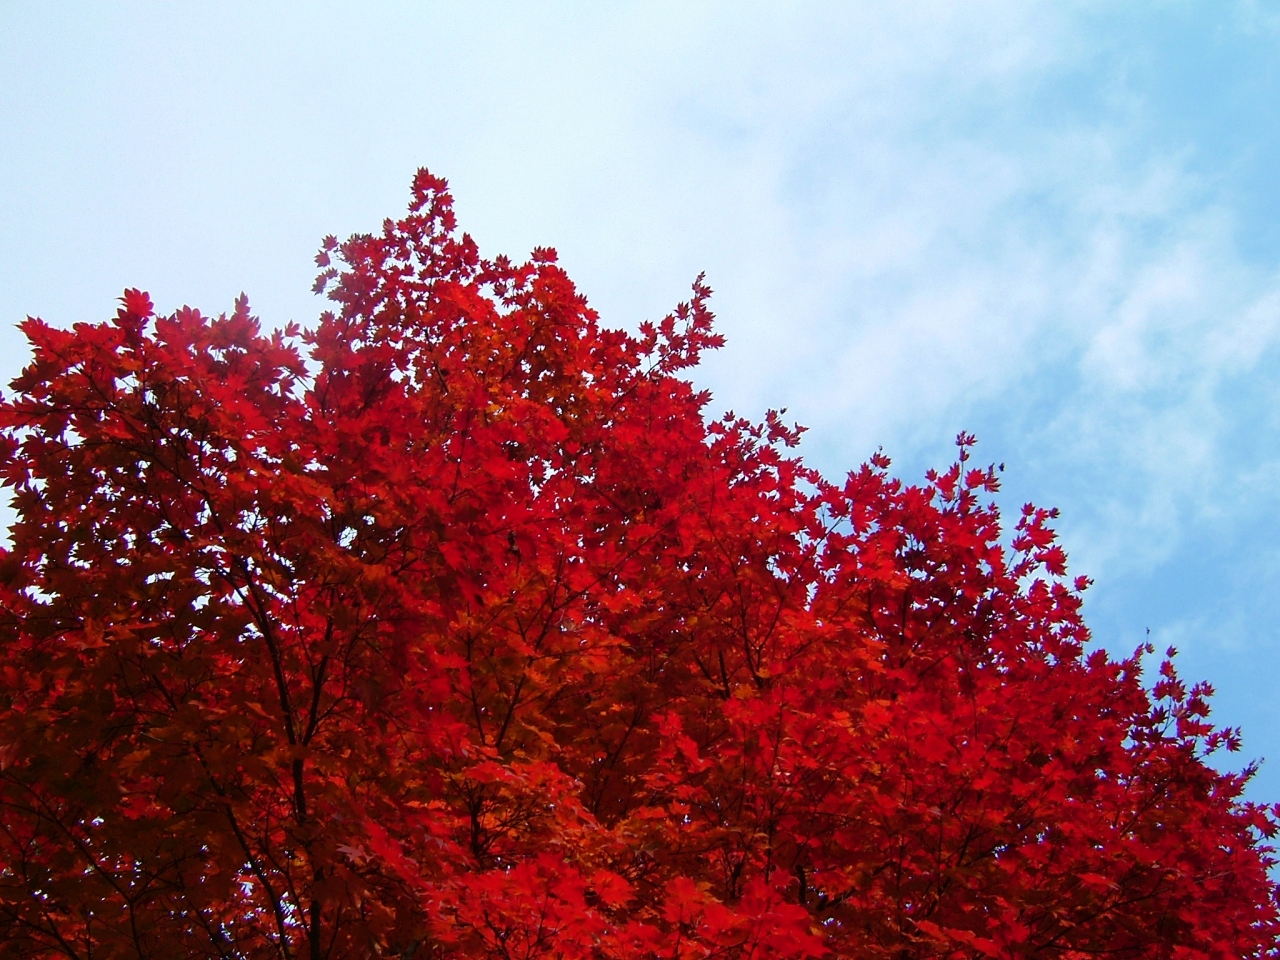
column 468, row 636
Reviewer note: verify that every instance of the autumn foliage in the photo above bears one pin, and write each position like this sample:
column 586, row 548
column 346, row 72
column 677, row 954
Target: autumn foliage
column 451, row 628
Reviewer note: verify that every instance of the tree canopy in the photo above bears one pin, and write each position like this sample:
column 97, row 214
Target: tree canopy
column 452, row 627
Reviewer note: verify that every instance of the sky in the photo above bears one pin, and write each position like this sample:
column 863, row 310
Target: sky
column 1055, row 225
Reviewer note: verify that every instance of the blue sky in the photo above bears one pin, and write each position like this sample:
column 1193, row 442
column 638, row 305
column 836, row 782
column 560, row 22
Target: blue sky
column 1056, row 225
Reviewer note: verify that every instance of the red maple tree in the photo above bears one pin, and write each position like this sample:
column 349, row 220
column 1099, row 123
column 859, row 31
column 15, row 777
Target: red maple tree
column 451, row 628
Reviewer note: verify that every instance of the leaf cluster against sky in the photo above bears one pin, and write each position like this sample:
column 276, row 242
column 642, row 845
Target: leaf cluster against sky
column 1051, row 224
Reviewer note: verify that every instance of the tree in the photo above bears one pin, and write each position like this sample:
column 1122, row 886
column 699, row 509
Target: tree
column 451, row 628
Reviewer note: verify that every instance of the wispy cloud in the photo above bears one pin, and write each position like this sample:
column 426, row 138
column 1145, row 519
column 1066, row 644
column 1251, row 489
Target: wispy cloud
column 917, row 225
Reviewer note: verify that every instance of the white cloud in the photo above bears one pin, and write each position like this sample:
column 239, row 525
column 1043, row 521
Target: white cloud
column 908, row 234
